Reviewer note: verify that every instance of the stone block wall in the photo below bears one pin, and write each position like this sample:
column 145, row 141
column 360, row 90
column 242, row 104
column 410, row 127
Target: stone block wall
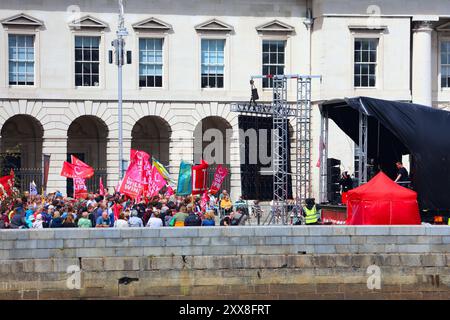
column 277, row 262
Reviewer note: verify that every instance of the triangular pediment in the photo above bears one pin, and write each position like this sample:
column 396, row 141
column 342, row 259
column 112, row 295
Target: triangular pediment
column 152, row 24
column 275, row 26
column 88, row 22
column 22, row 20
column 214, row 25
column 444, row 27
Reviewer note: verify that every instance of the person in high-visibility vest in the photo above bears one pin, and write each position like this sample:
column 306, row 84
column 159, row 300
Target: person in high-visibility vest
column 311, row 212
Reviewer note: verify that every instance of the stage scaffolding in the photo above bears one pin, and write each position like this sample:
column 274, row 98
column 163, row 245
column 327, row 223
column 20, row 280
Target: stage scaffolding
column 360, row 152
column 280, row 109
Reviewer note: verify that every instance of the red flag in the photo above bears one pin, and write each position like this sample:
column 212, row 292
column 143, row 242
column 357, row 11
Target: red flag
column 219, row 177
column 156, row 183
column 79, row 188
column 131, row 184
column 7, row 183
column 169, row 191
column 72, row 171
column 204, row 201
column 199, row 177
column 102, row 188
column 75, row 161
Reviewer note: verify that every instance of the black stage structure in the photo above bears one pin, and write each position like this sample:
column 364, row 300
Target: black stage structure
column 386, row 130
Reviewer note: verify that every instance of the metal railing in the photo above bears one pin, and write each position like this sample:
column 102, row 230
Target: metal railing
column 24, row 176
column 92, row 183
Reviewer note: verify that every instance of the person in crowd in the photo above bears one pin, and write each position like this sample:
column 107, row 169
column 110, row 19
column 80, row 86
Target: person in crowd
column 135, row 221
column 209, row 219
column 57, row 221
column 223, row 194
column 38, row 223
column 240, row 204
column 226, row 205
column 167, row 218
column 121, row 222
column 147, row 215
column 69, row 221
column 238, row 218
column 91, row 214
column 103, row 221
column 18, row 219
column 4, row 224
column 179, row 218
column 192, row 220
column 84, row 221
column 155, row 220
column 225, row 221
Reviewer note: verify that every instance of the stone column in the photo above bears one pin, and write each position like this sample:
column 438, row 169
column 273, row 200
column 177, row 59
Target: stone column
column 235, row 162
column 421, row 68
column 56, row 147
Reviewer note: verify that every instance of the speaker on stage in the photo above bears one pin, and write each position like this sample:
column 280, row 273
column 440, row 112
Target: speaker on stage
column 333, row 176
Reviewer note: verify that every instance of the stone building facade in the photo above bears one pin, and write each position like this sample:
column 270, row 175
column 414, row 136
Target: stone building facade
column 190, row 60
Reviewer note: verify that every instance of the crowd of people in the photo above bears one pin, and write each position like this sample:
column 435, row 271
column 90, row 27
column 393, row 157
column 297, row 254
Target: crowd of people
column 118, row 211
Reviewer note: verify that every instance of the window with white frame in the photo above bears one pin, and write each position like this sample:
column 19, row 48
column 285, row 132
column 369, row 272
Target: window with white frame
column 213, row 63
column 150, row 62
column 273, row 60
column 87, row 61
column 445, row 64
column 365, row 63
column 21, row 59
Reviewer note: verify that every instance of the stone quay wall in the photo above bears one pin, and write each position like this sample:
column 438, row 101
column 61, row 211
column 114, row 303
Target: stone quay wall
column 265, row 262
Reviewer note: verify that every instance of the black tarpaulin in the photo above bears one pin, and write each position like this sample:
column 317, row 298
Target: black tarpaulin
column 397, row 128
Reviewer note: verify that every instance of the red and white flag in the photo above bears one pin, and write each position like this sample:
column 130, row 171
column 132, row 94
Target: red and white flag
column 70, row 170
column 199, row 176
column 131, row 184
column 219, row 177
column 156, row 183
column 79, row 188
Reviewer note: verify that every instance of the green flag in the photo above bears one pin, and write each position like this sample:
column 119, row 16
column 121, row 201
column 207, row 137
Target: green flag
column 184, row 187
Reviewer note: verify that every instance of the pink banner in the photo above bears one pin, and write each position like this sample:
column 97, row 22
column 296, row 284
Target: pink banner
column 79, row 188
column 204, row 201
column 156, row 183
column 131, row 184
column 219, row 177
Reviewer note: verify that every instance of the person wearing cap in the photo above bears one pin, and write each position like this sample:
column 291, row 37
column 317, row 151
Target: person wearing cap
column 135, row 221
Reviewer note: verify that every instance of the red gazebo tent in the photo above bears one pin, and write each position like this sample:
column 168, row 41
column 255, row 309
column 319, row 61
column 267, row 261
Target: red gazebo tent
column 381, row 201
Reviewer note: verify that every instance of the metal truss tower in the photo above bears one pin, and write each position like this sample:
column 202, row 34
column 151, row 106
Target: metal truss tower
column 303, row 140
column 281, row 110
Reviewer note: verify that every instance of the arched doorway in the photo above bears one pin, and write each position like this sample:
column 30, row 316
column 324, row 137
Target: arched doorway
column 152, row 135
column 212, row 138
column 21, row 150
column 86, row 139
